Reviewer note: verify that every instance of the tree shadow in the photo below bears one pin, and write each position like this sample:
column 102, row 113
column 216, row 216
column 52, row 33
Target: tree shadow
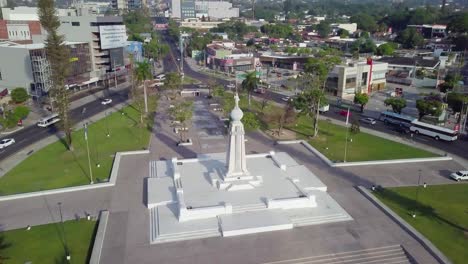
column 411, row 205
column 3, row 245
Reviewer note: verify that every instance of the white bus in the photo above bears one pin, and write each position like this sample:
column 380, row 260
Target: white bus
column 436, row 132
column 48, row 120
column 396, row 119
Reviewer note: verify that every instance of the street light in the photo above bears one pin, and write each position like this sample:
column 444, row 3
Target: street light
column 67, row 253
column 87, row 149
column 107, row 123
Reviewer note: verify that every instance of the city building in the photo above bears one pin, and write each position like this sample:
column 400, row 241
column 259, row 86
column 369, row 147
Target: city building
column 31, row 69
column 106, row 36
column 24, row 13
column 344, row 81
column 3, row 3
column 19, row 31
column 229, row 59
column 185, row 9
column 91, row 8
column 350, row 27
column 283, row 61
column 128, row 4
column 197, row 24
column 431, row 31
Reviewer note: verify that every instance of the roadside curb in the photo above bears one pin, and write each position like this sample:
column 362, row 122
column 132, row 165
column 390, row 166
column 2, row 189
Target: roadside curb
column 99, row 239
column 110, row 183
column 360, row 163
column 433, row 250
column 11, row 132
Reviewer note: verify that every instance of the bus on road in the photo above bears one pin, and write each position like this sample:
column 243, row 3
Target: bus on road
column 435, row 132
column 48, row 120
column 395, row 119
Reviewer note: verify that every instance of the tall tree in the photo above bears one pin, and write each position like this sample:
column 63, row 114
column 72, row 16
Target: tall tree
column 143, row 73
column 250, row 83
column 172, row 82
column 57, row 55
column 182, row 113
column 361, row 99
column 396, row 103
column 428, row 107
column 309, row 102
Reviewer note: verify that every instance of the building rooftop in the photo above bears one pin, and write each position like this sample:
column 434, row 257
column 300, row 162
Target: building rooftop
column 410, row 61
column 33, row 46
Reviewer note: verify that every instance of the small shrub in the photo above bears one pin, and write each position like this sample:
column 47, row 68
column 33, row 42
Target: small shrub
column 250, row 121
column 19, row 95
column 21, row 112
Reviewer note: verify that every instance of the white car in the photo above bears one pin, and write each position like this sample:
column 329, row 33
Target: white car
column 6, row 142
column 230, row 86
column 459, row 175
column 106, row 101
column 369, row 120
column 286, row 99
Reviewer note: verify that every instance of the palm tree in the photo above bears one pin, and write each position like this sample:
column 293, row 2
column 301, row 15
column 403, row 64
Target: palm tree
column 250, row 83
column 143, row 73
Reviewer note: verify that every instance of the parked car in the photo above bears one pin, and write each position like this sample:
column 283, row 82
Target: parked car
column 459, row 175
column 324, row 108
column 231, row 86
column 6, row 142
column 106, row 101
column 345, row 113
column 286, row 98
column 260, row 90
column 368, row 120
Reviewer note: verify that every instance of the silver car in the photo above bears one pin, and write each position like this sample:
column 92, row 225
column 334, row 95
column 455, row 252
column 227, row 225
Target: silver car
column 6, row 142
column 459, row 175
column 368, row 120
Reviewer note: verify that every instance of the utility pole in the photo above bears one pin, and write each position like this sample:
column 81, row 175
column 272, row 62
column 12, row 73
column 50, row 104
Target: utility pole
column 181, row 44
column 87, row 149
column 115, row 75
column 347, row 133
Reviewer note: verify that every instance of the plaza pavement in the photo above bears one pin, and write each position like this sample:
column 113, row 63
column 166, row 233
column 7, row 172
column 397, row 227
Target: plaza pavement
column 127, row 235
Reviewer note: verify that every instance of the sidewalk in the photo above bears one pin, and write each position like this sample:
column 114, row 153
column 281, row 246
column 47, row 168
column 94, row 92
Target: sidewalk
column 13, row 160
column 37, row 113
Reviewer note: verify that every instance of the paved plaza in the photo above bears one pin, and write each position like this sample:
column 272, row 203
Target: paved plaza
column 127, row 239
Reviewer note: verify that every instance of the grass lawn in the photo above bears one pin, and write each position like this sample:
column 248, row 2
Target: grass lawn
column 45, row 244
column 55, row 167
column 362, row 147
column 442, row 215
column 189, row 80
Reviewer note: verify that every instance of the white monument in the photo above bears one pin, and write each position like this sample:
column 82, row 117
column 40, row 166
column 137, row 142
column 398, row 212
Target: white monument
column 232, row 193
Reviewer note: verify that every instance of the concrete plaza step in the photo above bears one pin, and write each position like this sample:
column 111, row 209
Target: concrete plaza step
column 157, row 237
column 152, row 169
column 248, row 207
column 254, row 222
column 394, row 254
column 315, row 220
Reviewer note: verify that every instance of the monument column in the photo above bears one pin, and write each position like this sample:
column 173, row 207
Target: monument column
column 236, row 161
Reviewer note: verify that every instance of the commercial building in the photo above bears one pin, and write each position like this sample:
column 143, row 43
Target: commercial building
column 350, row 27
column 431, row 31
column 229, row 59
column 19, row 31
column 283, row 61
column 31, row 69
column 356, row 77
column 106, row 36
column 128, row 4
column 24, row 13
column 214, row 9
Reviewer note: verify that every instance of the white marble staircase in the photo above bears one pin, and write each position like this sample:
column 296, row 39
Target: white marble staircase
column 394, row 254
column 315, row 220
column 248, row 208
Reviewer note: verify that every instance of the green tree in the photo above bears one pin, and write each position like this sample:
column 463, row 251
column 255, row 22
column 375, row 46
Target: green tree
column 172, row 82
column 428, row 107
column 57, row 55
column 361, row 99
column 459, row 23
column 343, row 33
column 324, row 29
column 250, row 83
column 143, row 73
column 386, row 49
column 308, row 104
column 456, row 101
column 410, row 38
column 396, row 103
column 182, row 113
column 283, row 117
column 250, row 121
column 19, row 95
column 364, row 22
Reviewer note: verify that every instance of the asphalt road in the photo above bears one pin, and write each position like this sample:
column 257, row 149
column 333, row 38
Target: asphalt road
column 32, row 134
column 459, row 147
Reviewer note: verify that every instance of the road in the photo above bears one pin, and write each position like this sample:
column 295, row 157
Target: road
column 32, row 134
column 458, row 147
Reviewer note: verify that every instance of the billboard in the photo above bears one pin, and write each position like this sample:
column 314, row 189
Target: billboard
column 112, row 36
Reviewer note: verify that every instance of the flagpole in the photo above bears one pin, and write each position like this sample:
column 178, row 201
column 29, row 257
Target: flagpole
column 347, row 132
column 87, row 149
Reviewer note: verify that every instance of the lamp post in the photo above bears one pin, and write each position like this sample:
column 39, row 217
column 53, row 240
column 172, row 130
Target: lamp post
column 87, row 150
column 417, row 192
column 347, row 133
column 67, row 253
column 107, row 123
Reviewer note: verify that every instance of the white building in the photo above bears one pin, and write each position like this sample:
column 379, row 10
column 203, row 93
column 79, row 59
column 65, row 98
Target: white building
column 350, row 27
column 23, row 13
column 186, row 9
column 3, row 3
column 357, row 77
